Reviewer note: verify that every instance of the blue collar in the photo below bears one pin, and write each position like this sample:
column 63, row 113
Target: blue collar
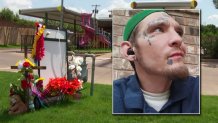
column 134, row 99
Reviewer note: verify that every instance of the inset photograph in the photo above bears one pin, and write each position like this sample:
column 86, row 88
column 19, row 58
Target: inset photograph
column 156, row 61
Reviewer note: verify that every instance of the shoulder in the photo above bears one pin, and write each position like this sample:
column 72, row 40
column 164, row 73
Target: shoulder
column 194, row 95
column 194, row 81
column 190, row 81
column 193, row 78
column 120, row 87
column 122, row 82
column 188, row 87
column 187, row 92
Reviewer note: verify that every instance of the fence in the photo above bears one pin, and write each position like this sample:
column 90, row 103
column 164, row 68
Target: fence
column 12, row 35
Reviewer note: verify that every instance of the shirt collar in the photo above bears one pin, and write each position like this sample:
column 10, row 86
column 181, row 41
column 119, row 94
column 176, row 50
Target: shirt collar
column 134, row 96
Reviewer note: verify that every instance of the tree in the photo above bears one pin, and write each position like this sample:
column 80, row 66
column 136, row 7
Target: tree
column 7, row 14
column 209, row 41
column 215, row 48
column 215, row 2
column 16, row 18
column 68, row 26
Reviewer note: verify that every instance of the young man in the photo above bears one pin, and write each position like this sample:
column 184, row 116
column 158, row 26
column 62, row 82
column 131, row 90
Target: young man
column 161, row 84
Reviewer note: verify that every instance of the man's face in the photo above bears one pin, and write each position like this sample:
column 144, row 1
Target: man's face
column 159, row 47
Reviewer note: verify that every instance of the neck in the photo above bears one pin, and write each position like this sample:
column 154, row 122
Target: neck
column 152, row 82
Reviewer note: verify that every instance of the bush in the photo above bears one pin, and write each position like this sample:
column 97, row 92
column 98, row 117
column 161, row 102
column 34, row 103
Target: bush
column 7, row 14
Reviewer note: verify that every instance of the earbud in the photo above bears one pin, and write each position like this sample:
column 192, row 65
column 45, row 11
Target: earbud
column 130, row 52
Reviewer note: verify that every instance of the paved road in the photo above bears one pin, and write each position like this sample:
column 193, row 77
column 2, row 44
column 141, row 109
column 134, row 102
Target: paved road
column 9, row 57
column 103, row 72
column 103, row 69
column 209, row 78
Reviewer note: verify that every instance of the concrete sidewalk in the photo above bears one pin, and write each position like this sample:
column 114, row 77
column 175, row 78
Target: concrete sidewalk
column 209, row 81
column 103, row 69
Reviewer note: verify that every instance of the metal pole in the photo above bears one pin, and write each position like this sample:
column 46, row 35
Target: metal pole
column 62, row 14
column 93, row 73
column 25, row 50
column 95, row 11
column 93, row 69
column 46, row 19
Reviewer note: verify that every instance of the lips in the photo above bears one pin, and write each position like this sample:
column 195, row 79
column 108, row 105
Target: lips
column 176, row 55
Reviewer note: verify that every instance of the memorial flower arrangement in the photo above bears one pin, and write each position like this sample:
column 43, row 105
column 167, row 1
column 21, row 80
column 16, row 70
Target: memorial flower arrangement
column 62, row 86
column 34, row 95
column 25, row 68
column 75, row 68
column 22, row 91
column 56, row 90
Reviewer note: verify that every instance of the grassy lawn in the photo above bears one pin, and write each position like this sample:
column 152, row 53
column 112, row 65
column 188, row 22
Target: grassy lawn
column 96, row 109
column 92, row 51
column 9, row 46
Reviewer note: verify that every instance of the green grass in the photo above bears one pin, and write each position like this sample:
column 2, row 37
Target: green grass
column 96, row 109
column 9, row 46
column 92, row 51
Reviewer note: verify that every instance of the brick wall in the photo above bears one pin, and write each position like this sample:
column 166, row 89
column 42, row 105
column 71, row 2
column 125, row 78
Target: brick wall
column 188, row 19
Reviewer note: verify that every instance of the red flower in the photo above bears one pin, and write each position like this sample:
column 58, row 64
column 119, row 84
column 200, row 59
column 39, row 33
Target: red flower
column 40, row 48
column 30, row 76
column 25, row 84
column 26, row 64
column 62, row 85
column 36, row 24
column 68, row 89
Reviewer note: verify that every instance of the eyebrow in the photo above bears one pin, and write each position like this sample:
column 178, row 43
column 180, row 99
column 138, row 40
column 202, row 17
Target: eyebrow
column 161, row 22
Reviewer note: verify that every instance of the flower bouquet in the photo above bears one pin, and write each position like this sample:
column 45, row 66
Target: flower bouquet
column 56, row 90
column 75, row 70
column 22, row 93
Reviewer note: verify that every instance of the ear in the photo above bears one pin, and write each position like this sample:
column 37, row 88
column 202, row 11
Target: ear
column 124, row 46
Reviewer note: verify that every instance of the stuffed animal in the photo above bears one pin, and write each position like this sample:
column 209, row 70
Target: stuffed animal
column 16, row 105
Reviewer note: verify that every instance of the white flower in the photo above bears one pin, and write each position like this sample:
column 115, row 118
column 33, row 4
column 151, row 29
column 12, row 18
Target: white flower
column 71, row 67
column 78, row 60
column 78, row 68
column 79, row 73
column 81, row 83
column 20, row 65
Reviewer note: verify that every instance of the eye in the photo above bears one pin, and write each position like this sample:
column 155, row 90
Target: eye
column 158, row 30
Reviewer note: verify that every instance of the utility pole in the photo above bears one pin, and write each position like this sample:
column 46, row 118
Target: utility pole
column 62, row 14
column 95, row 11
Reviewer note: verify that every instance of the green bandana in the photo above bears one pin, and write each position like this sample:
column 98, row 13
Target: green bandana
column 131, row 24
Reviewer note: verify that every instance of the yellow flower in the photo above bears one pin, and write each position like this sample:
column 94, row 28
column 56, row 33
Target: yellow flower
column 31, row 63
column 39, row 79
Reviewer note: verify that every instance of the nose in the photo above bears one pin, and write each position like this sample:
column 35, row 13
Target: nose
column 175, row 39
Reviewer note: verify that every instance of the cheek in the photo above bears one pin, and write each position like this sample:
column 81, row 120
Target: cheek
column 151, row 56
column 155, row 51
